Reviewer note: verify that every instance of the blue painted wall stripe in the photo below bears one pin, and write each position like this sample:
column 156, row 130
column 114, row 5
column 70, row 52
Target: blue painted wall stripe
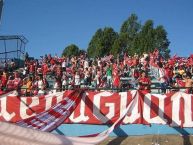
column 123, row 130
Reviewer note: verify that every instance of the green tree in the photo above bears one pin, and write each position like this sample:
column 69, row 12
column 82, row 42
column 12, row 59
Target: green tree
column 134, row 37
column 129, row 31
column 120, row 44
column 102, row 42
column 149, row 38
column 71, row 50
column 131, row 26
column 95, row 44
column 116, row 48
column 161, row 41
column 145, row 39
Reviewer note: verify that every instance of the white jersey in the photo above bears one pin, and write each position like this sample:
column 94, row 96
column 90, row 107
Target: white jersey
column 162, row 75
column 40, row 84
column 77, row 79
column 85, row 64
column 64, row 64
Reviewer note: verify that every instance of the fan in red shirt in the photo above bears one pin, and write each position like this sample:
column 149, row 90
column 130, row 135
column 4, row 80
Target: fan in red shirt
column 134, row 61
column 52, row 61
column 3, row 80
column 144, row 82
column 116, row 79
column 32, row 68
column 45, row 69
column 17, row 83
column 130, row 61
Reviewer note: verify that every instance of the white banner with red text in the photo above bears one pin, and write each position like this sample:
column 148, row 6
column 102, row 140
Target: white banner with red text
column 9, row 133
column 174, row 109
column 14, row 108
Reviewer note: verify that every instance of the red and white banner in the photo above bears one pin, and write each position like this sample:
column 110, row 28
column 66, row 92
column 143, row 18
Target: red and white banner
column 55, row 116
column 174, row 109
column 14, row 108
column 47, row 112
column 9, row 134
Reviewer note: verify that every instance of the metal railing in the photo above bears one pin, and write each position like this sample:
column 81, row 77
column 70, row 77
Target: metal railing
column 47, row 90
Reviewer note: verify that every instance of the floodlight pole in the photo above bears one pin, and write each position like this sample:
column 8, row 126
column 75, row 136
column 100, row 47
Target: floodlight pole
column 5, row 51
column 1, row 9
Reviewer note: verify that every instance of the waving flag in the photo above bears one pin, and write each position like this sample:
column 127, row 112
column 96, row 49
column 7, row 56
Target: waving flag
column 55, row 116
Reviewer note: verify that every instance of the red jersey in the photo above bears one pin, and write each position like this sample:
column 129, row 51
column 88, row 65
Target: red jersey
column 32, row 68
column 144, row 83
column 116, row 82
column 10, row 85
column 44, row 69
column 52, row 62
column 16, row 83
column 3, row 81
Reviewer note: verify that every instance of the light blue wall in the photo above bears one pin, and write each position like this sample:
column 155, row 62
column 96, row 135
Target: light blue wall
column 123, row 130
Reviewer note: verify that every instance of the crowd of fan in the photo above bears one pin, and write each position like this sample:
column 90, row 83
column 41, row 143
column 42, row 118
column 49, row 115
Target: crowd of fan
column 9, row 65
column 107, row 72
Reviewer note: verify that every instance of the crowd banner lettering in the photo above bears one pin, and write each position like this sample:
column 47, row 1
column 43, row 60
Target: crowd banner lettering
column 92, row 107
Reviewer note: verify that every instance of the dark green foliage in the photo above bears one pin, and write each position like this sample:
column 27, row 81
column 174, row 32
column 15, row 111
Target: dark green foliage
column 102, row 42
column 71, row 50
column 144, row 41
column 161, row 41
column 95, row 44
column 116, row 48
column 143, row 38
column 150, row 38
column 131, row 26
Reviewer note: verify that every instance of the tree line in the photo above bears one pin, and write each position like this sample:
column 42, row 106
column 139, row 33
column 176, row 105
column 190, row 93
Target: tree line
column 133, row 38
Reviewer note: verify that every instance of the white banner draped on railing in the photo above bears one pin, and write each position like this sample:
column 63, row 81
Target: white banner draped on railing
column 15, row 135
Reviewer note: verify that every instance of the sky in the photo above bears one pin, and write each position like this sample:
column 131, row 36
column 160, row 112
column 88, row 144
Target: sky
column 51, row 25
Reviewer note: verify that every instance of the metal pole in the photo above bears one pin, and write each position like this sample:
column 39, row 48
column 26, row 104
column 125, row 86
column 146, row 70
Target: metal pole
column 1, row 10
column 5, row 51
column 20, row 53
column 17, row 49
